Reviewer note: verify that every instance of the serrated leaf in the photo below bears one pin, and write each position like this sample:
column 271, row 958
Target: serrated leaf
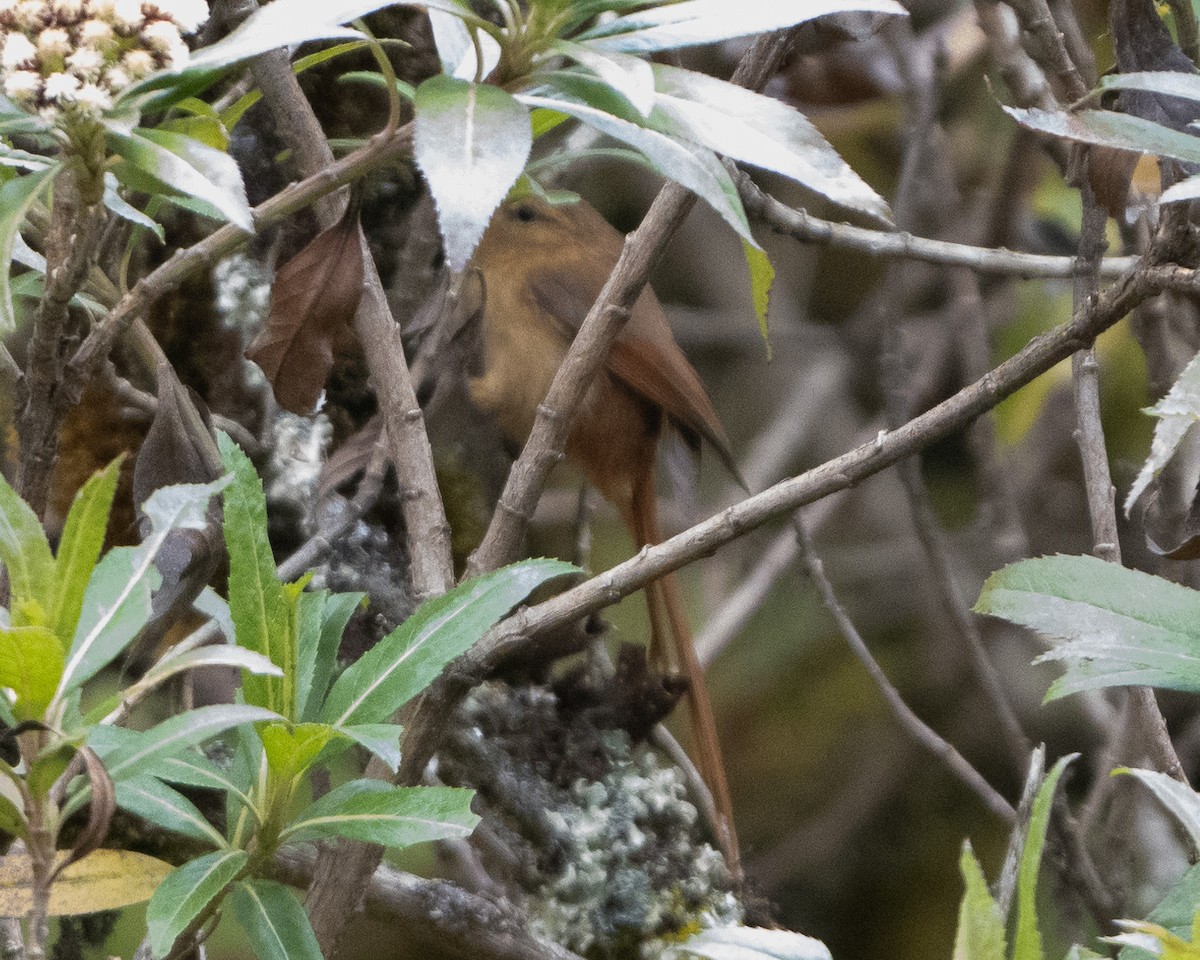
column 31, row 665
column 24, row 551
column 154, row 801
column 760, row 131
column 671, row 25
column 313, row 301
column 273, row 920
column 1027, row 940
column 374, row 812
column 80, row 546
column 1180, row 799
column 185, row 892
column 471, row 142
column 16, row 197
column 196, row 170
column 632, row 77
column 689, row 164
column 103, row 880
column 1111, row 626
column 408, row 659
column 751, row 943
column 117, row 601
column 980, row 934
column 1175, row 413
column 261, row 612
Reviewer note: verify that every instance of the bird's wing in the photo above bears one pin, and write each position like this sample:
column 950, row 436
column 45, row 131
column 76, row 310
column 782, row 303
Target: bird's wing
column 645, row 357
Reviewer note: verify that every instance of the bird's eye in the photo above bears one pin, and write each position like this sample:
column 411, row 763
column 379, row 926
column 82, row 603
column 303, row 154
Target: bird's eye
column 526, row 213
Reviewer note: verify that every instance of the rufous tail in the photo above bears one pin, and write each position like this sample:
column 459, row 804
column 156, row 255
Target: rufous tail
column 665, row 592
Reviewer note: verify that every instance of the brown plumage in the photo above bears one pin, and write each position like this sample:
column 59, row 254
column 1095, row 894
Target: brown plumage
column 537, row 272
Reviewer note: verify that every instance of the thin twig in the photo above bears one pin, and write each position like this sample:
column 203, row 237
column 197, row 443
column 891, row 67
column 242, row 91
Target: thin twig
column 804, row 227
column 912, row 725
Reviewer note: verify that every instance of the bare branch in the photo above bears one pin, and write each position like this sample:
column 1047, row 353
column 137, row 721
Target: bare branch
column 914, row 726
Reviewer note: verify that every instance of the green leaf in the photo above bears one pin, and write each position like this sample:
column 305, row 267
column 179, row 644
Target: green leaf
column 471, row 142
column 321, row 620
column 185, row 892
column 1112, row 626
column 172, row 664
column 690, row 164
column 1178, row 798
column 273, row 921
column 127, row 211
column 762, row 276
column 760, row 131
column 24, row 550
column 1165, row 82
column 116, row 603
column 16, row 197
column 183, row 165
column 980, row 934
column 195, row 770
column 374, row 812
column 1105, row 128
column 1175, row 414
column 1027, row 943
column 31, row 664
column 12, row 820
column 291, row 751
column 631, row 77
column 409, row 658
column 140, row 754
column 381, row 739
column 671, row 25
column 80, row 546
column 1175, row 912
column 154, row 801
column 261, row 611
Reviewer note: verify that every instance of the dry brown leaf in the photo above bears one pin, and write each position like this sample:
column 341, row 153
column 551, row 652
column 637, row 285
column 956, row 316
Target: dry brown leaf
column 313, row 300
column 101, row 808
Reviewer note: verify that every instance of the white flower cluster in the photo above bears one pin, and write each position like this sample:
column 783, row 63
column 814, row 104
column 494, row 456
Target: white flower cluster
column 78, row 55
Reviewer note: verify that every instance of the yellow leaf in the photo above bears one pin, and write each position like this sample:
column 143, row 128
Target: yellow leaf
column 103, row 880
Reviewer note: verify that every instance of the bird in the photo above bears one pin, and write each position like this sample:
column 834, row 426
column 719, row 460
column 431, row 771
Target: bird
column 536, row 273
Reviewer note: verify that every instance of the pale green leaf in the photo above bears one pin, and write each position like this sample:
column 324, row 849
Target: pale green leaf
column 751, row 943
column 16, row 197
column 1175, row 413
column 1111, row 626
column 1178, row 798
column 471, row 142
column 668, row 26
column 186, row 166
